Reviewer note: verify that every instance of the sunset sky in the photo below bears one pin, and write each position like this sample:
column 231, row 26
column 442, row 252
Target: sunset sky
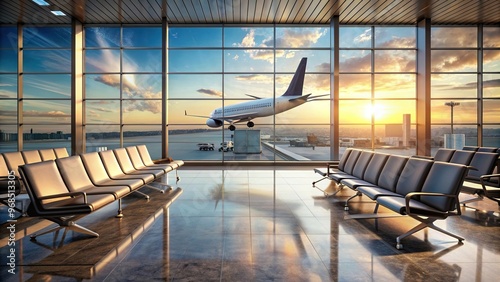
column 252, row 66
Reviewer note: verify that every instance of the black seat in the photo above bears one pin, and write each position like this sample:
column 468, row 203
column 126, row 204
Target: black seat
column 462, row 157
column 388, row 179
column 437, row 199
column 444, row 155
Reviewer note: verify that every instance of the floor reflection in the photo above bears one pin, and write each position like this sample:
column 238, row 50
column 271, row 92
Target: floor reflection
column 243, row 224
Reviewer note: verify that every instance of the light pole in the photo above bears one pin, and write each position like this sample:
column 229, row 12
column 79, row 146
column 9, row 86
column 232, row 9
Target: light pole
column 451, row 105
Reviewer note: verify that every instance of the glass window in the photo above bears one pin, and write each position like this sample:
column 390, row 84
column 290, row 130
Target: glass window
column 58, row 61
column 355, row 61
column 195, row 61
column 44, row 136
column 142, row 37
column 9, row 37
column 98, row 86
column 395, row 37
column 395, row 61
column 392, row 111
column 317, row 61
column 8, row 60
column 490, row 36
column 454, row 61
column 491, row 85
column 47, row 111
column 195, row 86
column 243, row 37
column 302, row 37
column 491, row 60
column 142, row 61
column 8, row 111
column 141, row 86
column 243, row 85
column 395, row 85
column 466, row 112
column 102, row 137
column 318, row 112
column 252, row 60
column 395, row 139
column 355, row 37
column 491, row 111
column 355, row 112
column 197, row 110
column 149, row 135
column 355, row 136
column 141, row 111
column 304, row 142
column 491, row 136
column 8, row 86
column 102, row 112
column 184, row 142
column 47, row 86
column 105, row 60
column 102, row 37
column 454, row 85
column 355, row 86
column 47, row 37
column 8, row 137
column 456, row 37
column 179, row 37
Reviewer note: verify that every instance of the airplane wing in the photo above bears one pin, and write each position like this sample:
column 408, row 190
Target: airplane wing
column 255, row 97
column 186, row 114
column 317, row 96
column 303, row 97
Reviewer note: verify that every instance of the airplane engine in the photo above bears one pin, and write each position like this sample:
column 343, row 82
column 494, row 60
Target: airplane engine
column 214, row 122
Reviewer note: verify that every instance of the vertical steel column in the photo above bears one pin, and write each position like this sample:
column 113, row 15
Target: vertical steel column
column 480, row 93
column 20, row 84
column 334, row 88
column 424, row 87
column 77, row 132
column 164, row 89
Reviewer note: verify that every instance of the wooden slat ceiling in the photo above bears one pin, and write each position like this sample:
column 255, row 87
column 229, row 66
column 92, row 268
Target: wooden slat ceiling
column 385, row 12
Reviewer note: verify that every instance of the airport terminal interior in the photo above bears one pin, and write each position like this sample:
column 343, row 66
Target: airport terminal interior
column 241, row 140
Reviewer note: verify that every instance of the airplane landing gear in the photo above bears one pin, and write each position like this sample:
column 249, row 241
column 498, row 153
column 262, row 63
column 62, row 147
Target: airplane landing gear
column 250, row 124
column 232, row 127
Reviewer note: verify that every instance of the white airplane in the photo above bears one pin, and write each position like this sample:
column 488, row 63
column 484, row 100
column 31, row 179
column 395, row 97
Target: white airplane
column 262, row 107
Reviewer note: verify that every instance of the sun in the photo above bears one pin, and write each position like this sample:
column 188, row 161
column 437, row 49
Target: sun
column 375, row 111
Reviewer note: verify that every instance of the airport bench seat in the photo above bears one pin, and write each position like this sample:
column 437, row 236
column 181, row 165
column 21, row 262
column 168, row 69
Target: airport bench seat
column 52, row 200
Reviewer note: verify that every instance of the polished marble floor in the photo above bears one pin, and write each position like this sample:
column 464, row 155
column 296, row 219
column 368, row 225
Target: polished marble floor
column 254, row 224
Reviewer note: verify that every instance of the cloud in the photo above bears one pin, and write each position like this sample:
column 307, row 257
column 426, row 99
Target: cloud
column 153, row 106
column 210, row 92
column 253, row 77
column 494, row 83
column 453, row 37
column 365, row 36
column 5, row 96
column 292, row 38
column 51, row 114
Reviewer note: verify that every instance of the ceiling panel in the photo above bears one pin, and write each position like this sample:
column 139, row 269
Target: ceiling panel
column 386, row 12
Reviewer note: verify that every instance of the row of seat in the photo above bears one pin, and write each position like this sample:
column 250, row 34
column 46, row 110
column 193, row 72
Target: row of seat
column 483, row 180
column 64, row 189
column 9, row 163
column 406, row 185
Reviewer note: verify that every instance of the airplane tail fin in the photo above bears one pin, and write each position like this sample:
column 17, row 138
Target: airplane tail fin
column 297, row 83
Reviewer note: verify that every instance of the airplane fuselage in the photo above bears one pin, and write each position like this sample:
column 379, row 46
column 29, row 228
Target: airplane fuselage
column 247, row 111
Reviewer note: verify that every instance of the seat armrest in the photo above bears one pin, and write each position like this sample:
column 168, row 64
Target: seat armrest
column 69, row 194
column 330, row 165
column 412, row 194
column 423, row 157
column 488, row 176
